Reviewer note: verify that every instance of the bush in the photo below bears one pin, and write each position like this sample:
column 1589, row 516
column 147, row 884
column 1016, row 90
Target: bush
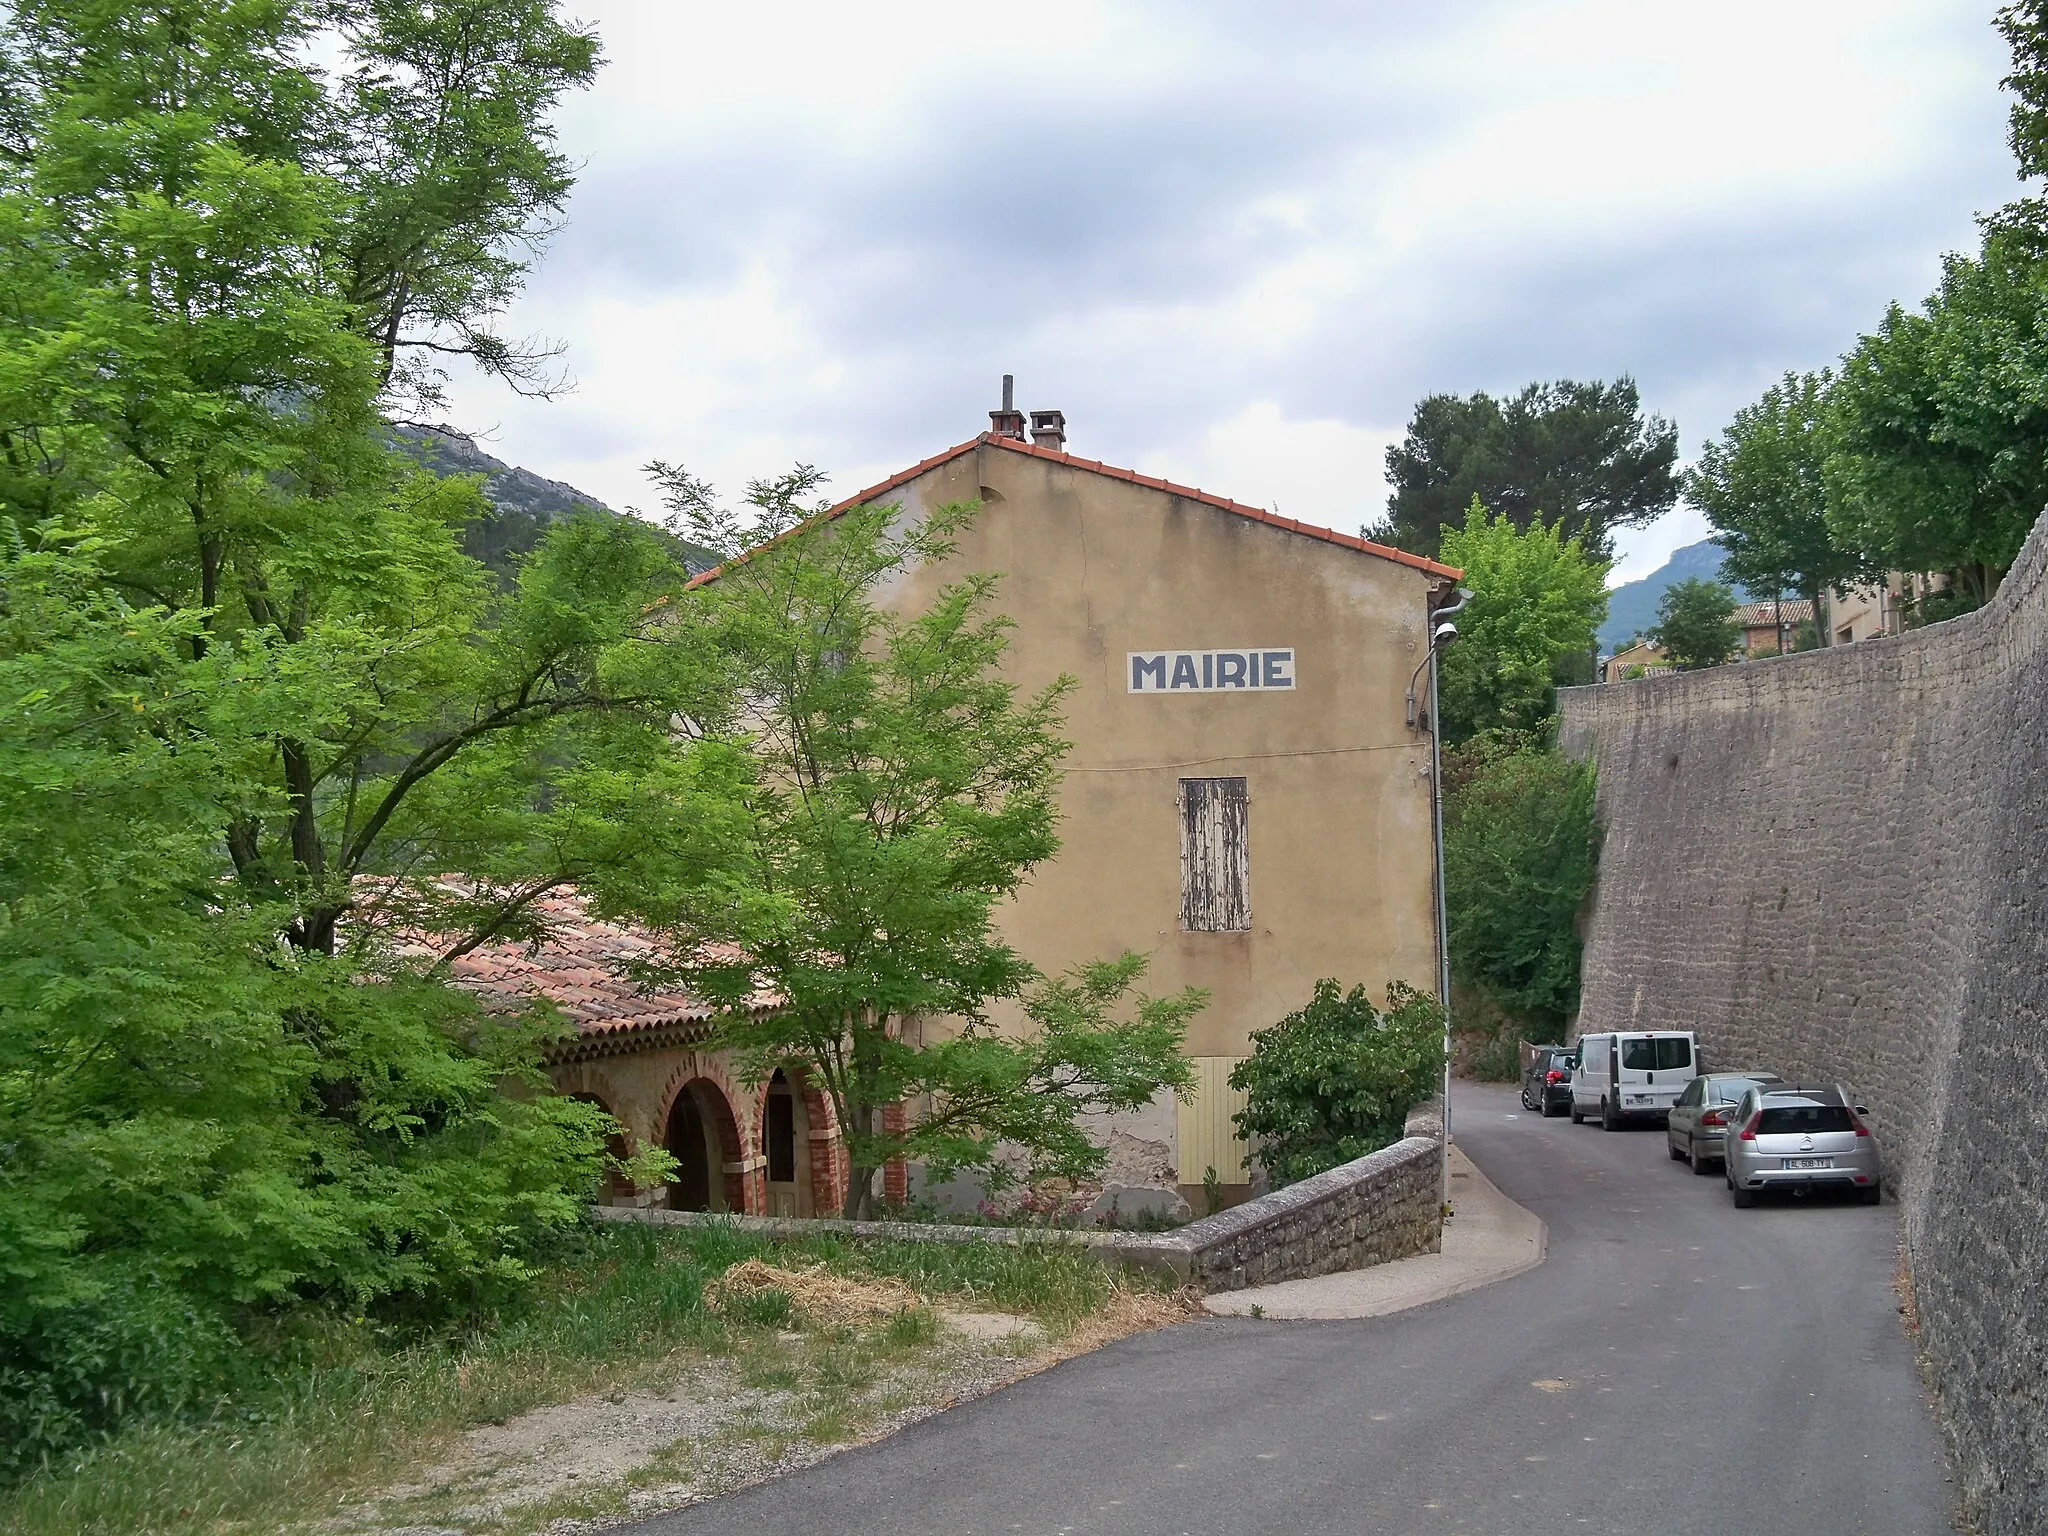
column 1336, row 1079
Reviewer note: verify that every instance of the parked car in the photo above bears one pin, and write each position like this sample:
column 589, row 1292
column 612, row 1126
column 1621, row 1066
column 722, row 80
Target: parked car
column 1631, row 1074
column 1547, row 1084
column 1800, row 1137
column 1699, row 1116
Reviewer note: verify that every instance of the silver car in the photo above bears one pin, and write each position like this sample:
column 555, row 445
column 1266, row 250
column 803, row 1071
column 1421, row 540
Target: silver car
column 1701, row 1114
column 1800, row 1137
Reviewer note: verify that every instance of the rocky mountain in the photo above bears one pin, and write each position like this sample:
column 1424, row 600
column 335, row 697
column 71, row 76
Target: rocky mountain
column 1632, row 606
column 522, row 502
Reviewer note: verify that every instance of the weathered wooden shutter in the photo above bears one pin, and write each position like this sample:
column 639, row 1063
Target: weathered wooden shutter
column 1215, row 873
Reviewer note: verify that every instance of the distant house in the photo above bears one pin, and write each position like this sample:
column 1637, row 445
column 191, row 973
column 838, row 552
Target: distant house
column 1879, row 608
column 1771, row 628
column 1638, row 658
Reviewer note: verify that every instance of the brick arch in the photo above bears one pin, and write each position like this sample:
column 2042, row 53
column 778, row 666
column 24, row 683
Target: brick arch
column 825, row 1153
column 712, row 1067
column 590, row 1082
column 617, row 1189
column 702, row 1131
column 828, row 1152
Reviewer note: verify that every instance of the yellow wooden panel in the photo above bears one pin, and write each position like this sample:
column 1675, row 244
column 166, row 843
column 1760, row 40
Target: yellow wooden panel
column 1207, row 1137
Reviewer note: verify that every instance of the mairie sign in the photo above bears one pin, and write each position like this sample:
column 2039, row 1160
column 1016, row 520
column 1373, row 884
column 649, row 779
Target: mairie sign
column 1264, row 668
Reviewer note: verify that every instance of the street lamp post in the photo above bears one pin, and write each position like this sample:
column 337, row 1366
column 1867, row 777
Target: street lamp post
column 1441, row 633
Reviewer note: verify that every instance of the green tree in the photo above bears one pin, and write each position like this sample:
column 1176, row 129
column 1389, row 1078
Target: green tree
column 257, row 695
column 1537, row 598
column 1696, row 624
column 897, row 791
column 202, row 381
column 1580, row 455
column 198, row 1122
column 1763, row 486
column 1939, row 423
column 1520, row 853
column 2024, row 25
column 1334, row 1081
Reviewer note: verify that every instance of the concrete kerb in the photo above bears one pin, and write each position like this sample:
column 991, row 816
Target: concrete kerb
column 1307, row 1228
column 1489, row 1239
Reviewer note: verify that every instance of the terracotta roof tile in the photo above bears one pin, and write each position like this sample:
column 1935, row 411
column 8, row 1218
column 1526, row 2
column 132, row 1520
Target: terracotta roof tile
column 1096, row 466
column 1754, row 615
column 579, row 965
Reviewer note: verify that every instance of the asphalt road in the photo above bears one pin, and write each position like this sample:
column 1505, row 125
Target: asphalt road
column 1677, row 1366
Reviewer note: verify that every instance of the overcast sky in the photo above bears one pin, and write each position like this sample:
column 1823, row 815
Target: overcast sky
column 1234, row 243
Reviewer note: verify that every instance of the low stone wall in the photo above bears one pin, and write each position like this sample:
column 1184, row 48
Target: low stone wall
column 1387, row 1205
column 1380, row 1207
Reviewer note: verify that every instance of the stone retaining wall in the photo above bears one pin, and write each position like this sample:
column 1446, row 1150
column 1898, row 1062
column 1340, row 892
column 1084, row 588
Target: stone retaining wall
column 1835, row 866
column 1384, row 1206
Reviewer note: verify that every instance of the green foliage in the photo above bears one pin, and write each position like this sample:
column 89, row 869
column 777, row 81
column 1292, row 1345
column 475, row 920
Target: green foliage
column 2024, row 25
column 1929, row 451
column 1537, row 598
column 1696, row 624
column 252, row 685
column 1763, row 485
column 893, row 789
column 1581, row 456
column 1939, row 422
column 337, row 1408
column 198, row 1121
column 1520, row 852
column 1335, row 1080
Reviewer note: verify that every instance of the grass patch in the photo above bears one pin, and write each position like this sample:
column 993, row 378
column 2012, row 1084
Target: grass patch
column 348, row 1406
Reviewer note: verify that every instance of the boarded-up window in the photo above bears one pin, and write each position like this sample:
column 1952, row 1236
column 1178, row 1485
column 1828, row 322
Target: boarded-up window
column 1215, row 877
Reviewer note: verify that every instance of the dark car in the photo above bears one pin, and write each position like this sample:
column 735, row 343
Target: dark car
column 1547, row 1084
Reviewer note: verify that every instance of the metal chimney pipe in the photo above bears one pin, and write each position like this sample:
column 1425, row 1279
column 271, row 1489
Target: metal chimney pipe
column 1009, row 421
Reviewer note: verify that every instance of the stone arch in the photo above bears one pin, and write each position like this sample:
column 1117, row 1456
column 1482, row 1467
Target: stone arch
column 616, row 1189
column 703, row 1136
column 827, row 1153
column 785, row 1121
column 820, row 1157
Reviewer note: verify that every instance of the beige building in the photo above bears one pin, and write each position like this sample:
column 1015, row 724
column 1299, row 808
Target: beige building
column 1878, row 608
column 1639, row 658
column 1246, row 804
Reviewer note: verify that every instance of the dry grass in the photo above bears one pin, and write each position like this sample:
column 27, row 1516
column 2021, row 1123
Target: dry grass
column 1124, row 1311
column 816, row 1295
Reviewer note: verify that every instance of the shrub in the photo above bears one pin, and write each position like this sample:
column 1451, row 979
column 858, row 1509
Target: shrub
column 1335, row 1080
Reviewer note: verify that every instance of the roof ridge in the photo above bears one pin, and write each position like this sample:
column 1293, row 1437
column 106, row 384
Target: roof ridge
column 1114, row 472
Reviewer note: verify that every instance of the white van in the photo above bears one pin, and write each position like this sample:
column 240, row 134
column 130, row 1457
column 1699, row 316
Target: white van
column 1631, row 1073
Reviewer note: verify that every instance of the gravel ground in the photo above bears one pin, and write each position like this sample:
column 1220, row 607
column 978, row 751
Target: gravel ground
column 594, row 1462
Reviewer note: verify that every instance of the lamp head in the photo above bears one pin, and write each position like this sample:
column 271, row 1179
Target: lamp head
column 1443, row 635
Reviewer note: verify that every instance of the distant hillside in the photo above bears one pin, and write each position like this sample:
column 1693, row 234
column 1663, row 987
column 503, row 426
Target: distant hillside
column 523, row 503
column 1632, row 606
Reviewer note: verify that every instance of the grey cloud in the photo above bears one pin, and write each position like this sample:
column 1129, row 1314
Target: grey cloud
column 1011, row 220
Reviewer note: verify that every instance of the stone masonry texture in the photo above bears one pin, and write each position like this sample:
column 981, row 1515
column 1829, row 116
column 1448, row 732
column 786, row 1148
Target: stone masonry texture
column 1835, row 866
column 1386, row 1205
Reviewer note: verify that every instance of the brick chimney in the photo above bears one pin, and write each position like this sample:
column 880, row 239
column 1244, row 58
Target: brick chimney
column 1049, row 429
column 1009, row 421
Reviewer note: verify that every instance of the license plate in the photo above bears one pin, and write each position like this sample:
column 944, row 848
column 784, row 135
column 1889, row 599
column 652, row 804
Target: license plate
column 1809, row 1162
